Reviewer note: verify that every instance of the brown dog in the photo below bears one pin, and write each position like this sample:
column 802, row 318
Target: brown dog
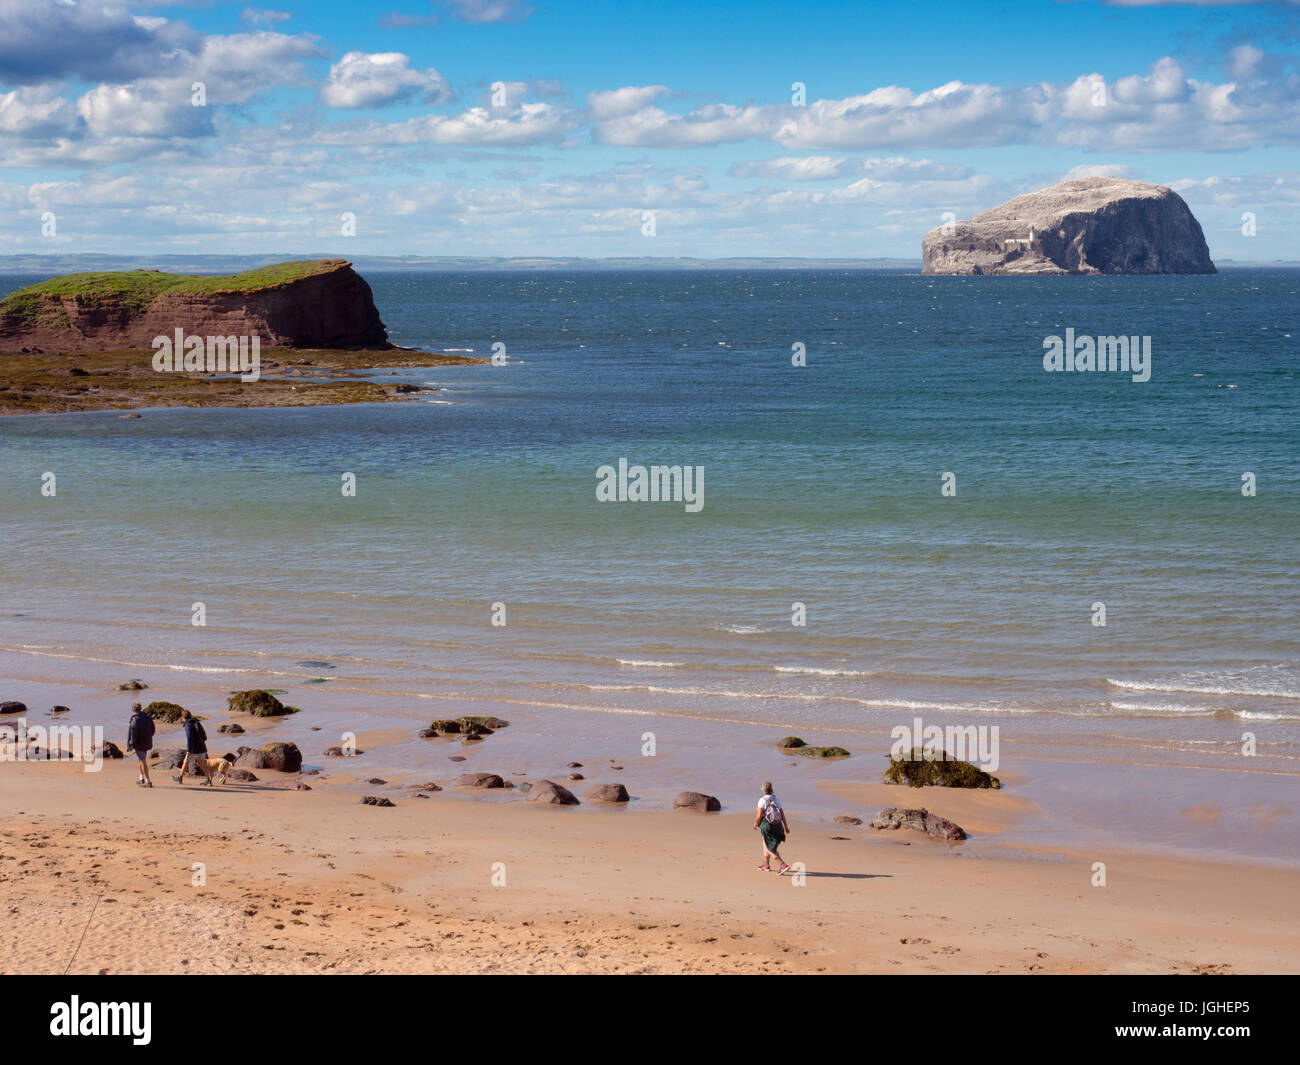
column 218, row 767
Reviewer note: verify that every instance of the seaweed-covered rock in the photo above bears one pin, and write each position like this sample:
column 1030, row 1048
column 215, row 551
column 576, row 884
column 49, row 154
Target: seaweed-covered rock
column 549, row 791
column 233, row 728
column 607, row 793
column 921, row 768
column 464, row 726
column 259, row 703
column 790, row 741
column 160, row 710
column 480, row 780
column 821, row 752
column 921, row 820
column 376, row 800
column 132, row 686
column 696, row 800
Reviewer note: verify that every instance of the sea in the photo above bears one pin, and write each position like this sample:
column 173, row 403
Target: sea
column 905, row 518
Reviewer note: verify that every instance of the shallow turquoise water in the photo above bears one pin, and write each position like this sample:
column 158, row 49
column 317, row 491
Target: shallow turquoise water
column 822, row 486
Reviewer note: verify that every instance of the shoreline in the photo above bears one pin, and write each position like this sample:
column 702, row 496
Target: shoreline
column 125, row 381
column 1068, row 794
column 315, row 882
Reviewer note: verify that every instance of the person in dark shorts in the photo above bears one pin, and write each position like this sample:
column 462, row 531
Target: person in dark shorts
column 770, row 822
column 139, row 738
column 196, row 748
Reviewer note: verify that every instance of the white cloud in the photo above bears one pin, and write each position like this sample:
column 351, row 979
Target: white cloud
column 1163, row 108
column 826, row 168
column 372, row 79
column 488, row 10
column 615, row 102
column 260, row 16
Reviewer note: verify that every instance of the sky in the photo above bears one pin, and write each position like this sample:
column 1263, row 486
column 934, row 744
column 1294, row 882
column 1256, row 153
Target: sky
column 666, row 128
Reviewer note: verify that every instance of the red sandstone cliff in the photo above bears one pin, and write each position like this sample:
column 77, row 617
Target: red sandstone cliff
column 331, row 307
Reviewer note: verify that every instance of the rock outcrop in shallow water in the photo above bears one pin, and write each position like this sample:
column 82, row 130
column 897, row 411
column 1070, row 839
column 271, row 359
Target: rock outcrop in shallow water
column 321, row 304
column 1094, row 225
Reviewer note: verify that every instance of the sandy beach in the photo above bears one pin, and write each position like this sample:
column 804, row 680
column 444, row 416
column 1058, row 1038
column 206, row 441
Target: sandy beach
column 99, row 876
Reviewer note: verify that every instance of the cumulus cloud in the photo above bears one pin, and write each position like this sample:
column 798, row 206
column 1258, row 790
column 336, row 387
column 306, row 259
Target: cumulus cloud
column 36, row 112
column 1163, row 108
column 826, row 168
column 615, row 102
column 372, row 79
column 527, row 124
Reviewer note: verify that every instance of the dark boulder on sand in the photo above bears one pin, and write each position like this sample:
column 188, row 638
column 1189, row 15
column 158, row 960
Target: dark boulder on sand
column 921, row 820
column 607, row 793
column 112, row 750
column 284, row 757
column 376, row 800
column 12, row 706
column 463, row 727
column 480, row 780
column 549, row 791
column 233, row 728
column 342, row 752
column 790, row 741
column 132, row 686
column 173, row 757
column 938, row 768
column 259, row 703
column 242, row 775
column 696, row 800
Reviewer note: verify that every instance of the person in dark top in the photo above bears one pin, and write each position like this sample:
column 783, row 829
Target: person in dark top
column 139, row 738
column 196, row 748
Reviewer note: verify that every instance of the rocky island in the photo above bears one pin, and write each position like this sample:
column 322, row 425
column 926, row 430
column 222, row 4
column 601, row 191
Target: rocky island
column 86, row 341
column 1094, row 225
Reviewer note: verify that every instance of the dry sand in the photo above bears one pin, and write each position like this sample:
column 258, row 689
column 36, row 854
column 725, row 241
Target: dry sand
column 312, row 881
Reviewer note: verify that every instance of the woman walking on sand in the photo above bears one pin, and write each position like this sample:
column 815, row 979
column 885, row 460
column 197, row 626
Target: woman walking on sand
column 772, row 826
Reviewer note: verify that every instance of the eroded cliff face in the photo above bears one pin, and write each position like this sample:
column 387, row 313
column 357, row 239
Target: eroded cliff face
column 1086, row 226
column 330, row 307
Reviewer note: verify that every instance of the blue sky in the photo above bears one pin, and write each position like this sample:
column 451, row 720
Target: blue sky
column 498, row 127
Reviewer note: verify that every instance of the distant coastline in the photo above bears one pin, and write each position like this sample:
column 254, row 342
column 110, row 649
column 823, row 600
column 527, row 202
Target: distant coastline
column 217, row 264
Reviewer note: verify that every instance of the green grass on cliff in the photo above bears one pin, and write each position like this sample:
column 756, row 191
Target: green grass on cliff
column 139, row 288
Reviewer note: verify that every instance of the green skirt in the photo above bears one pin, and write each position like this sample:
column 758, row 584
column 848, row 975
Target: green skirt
column 773, row 833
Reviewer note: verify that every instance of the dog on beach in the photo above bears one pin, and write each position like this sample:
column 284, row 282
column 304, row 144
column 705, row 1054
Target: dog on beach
column 218, row 767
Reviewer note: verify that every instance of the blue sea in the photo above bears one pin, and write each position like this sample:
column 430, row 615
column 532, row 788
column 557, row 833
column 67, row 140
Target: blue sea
column 823, row 486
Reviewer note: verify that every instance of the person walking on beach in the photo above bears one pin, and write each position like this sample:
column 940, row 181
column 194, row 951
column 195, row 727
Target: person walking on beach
column 139, row 738
column 196, row 748
column 770, row 823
